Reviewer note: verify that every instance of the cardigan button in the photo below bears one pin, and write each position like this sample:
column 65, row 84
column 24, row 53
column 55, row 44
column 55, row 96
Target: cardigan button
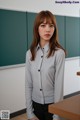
column 40, row 89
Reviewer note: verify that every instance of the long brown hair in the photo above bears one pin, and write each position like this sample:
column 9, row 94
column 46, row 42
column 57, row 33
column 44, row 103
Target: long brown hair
column 53, row 43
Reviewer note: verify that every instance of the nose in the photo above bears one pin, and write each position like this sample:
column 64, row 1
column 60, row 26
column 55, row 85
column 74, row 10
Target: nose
column 47, row 28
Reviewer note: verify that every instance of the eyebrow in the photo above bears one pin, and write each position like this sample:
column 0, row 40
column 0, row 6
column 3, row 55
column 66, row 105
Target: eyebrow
column 47, row 23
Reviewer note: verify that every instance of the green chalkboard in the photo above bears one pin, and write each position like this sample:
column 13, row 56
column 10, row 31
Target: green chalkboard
column 61, row 29
column 30, row 23
column 72, row 36
column 13, row 37
column 16, row 34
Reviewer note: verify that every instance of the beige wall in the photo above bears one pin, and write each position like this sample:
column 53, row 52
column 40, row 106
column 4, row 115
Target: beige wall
column 37, row 5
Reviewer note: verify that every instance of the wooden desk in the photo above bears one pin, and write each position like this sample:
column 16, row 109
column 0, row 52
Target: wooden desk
column 68, row 108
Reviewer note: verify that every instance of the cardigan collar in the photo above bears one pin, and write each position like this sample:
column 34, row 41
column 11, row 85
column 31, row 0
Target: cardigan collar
column 45, row 48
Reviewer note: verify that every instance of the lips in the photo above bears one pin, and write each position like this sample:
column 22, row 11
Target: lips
column 47, row 35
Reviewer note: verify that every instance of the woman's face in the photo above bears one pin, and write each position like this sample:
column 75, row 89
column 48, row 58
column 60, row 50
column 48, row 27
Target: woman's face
column 46, row 30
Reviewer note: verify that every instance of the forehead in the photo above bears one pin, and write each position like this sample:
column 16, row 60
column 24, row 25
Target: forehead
column 46, row 20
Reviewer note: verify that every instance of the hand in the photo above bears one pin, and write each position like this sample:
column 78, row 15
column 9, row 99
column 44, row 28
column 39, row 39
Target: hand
column 56, row 117
column 34, row 118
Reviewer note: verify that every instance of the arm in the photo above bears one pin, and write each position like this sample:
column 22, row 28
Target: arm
column 28, row 88
column 59, row 78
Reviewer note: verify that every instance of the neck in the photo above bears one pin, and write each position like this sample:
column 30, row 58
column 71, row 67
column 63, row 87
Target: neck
column 43, row 43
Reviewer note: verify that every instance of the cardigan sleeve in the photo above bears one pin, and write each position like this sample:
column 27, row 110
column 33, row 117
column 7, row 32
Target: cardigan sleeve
column 59, row 77
column 28, row 87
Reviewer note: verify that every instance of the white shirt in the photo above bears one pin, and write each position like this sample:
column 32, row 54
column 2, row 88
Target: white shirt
column 44, row 77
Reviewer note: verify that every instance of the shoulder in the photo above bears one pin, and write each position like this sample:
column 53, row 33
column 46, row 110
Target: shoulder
column 28, row 54
column 60, row 53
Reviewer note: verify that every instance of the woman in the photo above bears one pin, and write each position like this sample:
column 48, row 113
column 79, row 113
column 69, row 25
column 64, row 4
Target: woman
column 44, row 68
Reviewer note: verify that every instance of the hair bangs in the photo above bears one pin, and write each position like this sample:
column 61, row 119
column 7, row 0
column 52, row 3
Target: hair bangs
column 47, row 19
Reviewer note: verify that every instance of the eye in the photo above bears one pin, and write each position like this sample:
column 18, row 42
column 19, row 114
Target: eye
column 52, row 25
column 42, row 25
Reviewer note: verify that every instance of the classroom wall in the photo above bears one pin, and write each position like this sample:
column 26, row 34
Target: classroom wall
column 12, row 85
column 68, row 9
column 12, row 80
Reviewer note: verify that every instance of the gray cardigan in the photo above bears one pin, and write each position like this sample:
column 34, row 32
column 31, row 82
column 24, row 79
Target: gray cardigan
column 44, row 78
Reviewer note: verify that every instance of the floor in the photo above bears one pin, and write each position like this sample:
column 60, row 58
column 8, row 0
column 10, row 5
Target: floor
column 20, row 117
column 24, row 117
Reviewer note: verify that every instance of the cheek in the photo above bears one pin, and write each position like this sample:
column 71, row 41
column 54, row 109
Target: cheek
column 40, row 31
column 52, row 31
